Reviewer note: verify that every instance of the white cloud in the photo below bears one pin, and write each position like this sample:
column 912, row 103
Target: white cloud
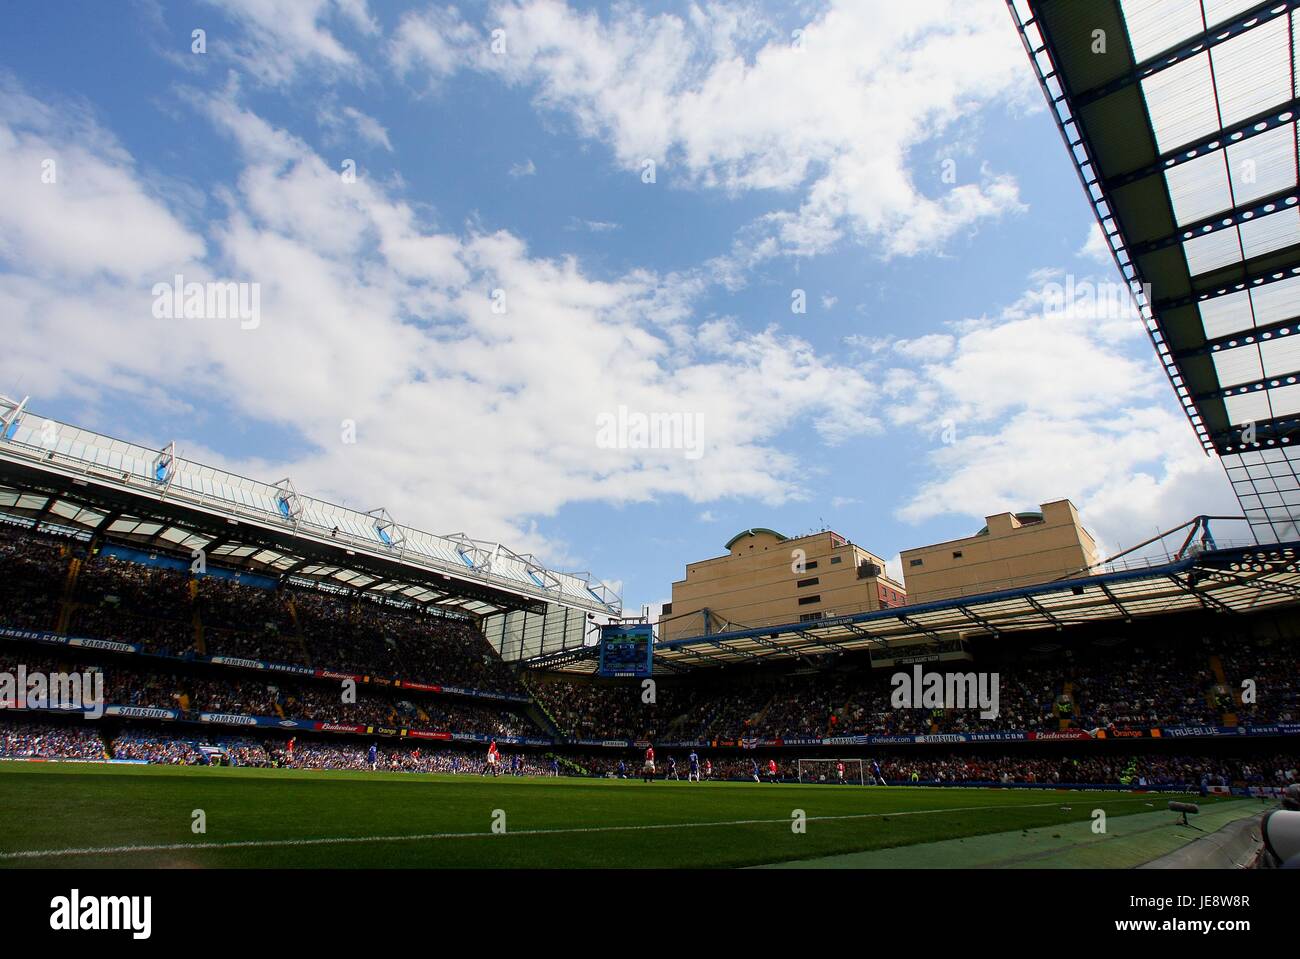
column 342, row 123
column 1096, row 247
column 1051, row 406
column 594, row 226
column 370, row 129
column 527, row 168
column 841, row 112
column 281, row 37
column 932, row 346
column 74, row 198
column 465, row 417
column 436, row 41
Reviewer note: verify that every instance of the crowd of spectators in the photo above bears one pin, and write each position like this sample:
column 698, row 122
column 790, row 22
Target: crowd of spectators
column 1135, row 686
column 584, row 709
column 1146, row 770
column 33, row 739
column 951, row 767
column 1138, row 684
column 1152, row 685
column 1273, row 669
column 408, row 758
column 28, row 738
column 158, row 749
column 31, row 578
column 120, row 686
column 170, row 612
column 154, row 746
column 227, row 692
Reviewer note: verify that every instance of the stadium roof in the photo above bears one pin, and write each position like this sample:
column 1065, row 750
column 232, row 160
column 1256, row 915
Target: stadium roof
column 1240, row 580
column 52, row 473
column 1181, row 118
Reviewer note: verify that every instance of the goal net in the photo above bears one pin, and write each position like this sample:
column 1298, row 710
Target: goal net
column 828, row 771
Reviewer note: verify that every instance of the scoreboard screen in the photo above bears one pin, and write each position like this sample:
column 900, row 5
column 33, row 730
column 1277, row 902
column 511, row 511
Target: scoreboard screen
column 626, row 650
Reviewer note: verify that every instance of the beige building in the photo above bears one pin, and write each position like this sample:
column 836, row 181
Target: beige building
column 1018, row 549
column 767, row 579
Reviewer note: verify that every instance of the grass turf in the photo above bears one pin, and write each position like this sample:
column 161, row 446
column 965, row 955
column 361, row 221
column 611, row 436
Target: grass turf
column 289, row 818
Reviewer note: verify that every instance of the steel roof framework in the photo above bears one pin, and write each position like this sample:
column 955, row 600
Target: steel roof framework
column 1181, row 119
column 58, row 476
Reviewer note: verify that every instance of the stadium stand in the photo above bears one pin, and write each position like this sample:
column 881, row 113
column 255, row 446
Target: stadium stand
column 22, row 738
column 132, row 602
column 1164, row 677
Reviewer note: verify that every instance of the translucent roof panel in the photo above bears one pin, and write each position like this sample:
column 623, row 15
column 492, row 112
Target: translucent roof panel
column 1286, row 399
column 1261, row 166
column 1180, row 100
column 1252, row 72
column 1269, row 233
column 1156, row 25
column 1217, row 11
column 1236, row 80
column 1277, row 302
column 1212, row 250
column 1242, row 365
column 1248, row 408
column 1200, row 187
column 1228, row 314
column 1281, row 357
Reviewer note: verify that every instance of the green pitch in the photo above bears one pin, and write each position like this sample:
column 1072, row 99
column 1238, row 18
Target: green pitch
column 137, row 816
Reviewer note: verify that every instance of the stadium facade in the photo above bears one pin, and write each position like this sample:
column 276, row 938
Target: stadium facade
column 767, row 578
column 1013, row 549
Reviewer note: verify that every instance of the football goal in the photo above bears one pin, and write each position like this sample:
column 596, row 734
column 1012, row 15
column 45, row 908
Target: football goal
column 831, row 771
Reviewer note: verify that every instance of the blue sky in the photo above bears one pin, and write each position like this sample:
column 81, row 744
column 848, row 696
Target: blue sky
column 894, row 164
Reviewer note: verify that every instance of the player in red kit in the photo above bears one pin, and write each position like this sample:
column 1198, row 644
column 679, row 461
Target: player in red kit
column 771, row 769
column 493, row 760
column 648, row 767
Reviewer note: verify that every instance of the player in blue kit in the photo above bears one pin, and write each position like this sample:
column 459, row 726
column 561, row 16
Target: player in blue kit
column 374, row 756
column 693, row 767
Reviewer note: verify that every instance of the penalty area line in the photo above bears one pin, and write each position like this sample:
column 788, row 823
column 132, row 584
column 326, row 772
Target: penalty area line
column 438, row 836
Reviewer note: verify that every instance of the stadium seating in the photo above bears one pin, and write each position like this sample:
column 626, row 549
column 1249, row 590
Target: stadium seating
column 153, row 606
column 48, row 583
